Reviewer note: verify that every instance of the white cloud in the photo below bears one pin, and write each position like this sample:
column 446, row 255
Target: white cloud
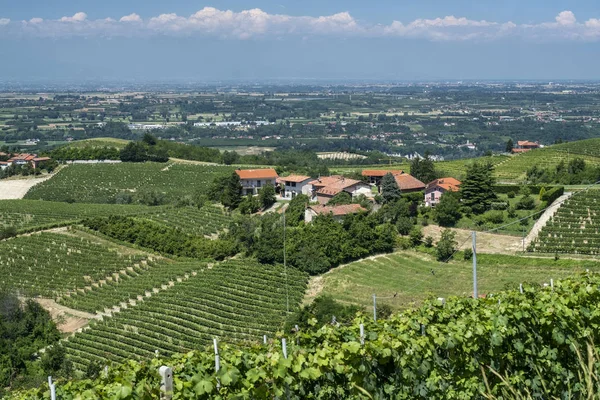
column 131, row 18
column 77, row 17
column 4, row 21
column 256, row 23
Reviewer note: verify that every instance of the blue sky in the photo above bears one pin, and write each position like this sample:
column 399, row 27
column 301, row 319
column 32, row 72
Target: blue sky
column 308, row 39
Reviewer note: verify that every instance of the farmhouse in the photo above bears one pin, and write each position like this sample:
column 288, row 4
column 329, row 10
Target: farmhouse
column 338, row 212
column 23, row 159
column 294, row 185
column 254, row 179
column 375, row 175
column 525, row 146
column 408, row 183
column 435, row 190
column 323, row 189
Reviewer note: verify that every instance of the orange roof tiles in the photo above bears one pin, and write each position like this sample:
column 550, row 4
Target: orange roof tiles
column 409, row 182
column 381, row 172
column 449, row 184
column 294, row 178
column 338, row 210
column 264, row 173
column 527, row 143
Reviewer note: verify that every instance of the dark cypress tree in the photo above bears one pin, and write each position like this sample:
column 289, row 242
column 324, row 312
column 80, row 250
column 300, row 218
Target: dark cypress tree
column 390, row 191
column 232, row 192
column 477, row 189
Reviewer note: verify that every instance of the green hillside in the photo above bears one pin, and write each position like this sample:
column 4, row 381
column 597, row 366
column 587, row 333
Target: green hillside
column 406, row 277
column 100, row 142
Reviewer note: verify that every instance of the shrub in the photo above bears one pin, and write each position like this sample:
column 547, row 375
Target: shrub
column 552, row 194
column 446, row 246
column 415, row 236
column 511, row 195
column 499, row 205
column 526, row 203
column 428, row 242
column 404, row 225
column 494, row 216
column 512, row 213
column 468, row 254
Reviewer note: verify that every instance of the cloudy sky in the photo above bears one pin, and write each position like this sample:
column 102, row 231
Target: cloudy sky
column 280, row 39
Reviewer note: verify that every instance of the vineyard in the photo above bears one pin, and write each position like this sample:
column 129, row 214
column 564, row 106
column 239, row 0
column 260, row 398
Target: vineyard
column 100, row 183
column 537, row 338
column 51, row 264
column 207, row 220
column 234, row 300
column 575, row 228
column 27, row 215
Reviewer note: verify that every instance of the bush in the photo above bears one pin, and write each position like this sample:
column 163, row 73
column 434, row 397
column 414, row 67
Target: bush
column 428, row 242
column 511, row 195
column 404, row 225
column 446, row 246
column 415, row 236
column 447, row 212
column 526, row 203
column 499, row 205
column 494, row 216
column 468, row 254
column 512, row 213
column 403, row 243
column 552, row 194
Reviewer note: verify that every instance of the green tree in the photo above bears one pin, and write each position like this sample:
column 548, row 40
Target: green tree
column 232, row 192
column 446, row 246
column 266, row 196
column 447, row 211
column 477, row 189
column 294, row 214
column 249, row 205
column 149, row 139
column 509, row 146
column 340, row 198
column 423, row 169
column 390, row 192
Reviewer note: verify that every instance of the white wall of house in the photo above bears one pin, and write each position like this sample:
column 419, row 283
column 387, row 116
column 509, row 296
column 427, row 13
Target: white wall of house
column 359, row 189
column 252, row 186
column 293, row 189
column 433, row 196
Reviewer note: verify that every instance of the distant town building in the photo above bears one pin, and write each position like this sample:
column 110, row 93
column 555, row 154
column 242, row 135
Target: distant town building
column 254, row 179
column 435, row 190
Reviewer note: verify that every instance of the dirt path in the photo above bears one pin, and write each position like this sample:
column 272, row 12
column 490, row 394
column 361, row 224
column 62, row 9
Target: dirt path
column 67, row 319
column 486, row 242
column 182, row 161
column 541, row 222
column 13, row 189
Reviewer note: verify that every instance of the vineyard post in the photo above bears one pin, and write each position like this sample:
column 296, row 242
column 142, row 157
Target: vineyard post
column 552, row 284
column 521, row 288
column 362, row 335
column 285, row 355
column 217, row 361
column 166, row 382
column 52, row 388
column 265, row 339
column 375, row 308
column 475, row 294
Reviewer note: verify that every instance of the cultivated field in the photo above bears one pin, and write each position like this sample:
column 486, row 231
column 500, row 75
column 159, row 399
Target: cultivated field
column 100, row 183
column 399, row 279
column 574, row 228
column 235, row 300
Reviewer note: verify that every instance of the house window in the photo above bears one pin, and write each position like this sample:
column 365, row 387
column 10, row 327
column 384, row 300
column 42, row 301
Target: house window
column 293, row 184
column 432, row 196
column 258, row 184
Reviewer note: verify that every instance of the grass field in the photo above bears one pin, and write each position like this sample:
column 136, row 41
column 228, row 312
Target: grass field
column 100, row 142
column 409, row 274
column 100, row 183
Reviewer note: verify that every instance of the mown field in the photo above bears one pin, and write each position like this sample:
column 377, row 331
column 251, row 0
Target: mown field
column 402, row 278
column 100, row 183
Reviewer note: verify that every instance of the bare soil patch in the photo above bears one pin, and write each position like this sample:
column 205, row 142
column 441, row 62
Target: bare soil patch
column 67, row 319
column 486, row 242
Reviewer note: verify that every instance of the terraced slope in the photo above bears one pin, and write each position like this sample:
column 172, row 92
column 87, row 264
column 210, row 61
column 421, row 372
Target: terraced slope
column 207, row 220
column 574, row 228
column 27, row 215
column 100, row 183
column 51, row 264
column 234, row 300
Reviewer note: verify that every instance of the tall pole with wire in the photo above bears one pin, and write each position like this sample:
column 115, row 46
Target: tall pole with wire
column 475, row 295
column 287, row 293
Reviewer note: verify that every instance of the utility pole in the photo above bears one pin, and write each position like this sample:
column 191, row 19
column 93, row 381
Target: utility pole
column 475, row 295
column 287, row 293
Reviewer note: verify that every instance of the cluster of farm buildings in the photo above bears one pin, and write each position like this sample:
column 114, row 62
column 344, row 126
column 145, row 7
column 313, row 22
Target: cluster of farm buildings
column 21, row 159
column 323, row 189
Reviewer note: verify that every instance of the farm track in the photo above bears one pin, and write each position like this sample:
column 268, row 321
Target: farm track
column 14, row 189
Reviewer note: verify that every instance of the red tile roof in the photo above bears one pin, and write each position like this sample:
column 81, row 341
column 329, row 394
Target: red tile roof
column 338, row 210
column 294, row 178
column 264, row 173
column 409, row 182
column 381, row 172
column 449, row 184
column 527, row 143
column 38, row 159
